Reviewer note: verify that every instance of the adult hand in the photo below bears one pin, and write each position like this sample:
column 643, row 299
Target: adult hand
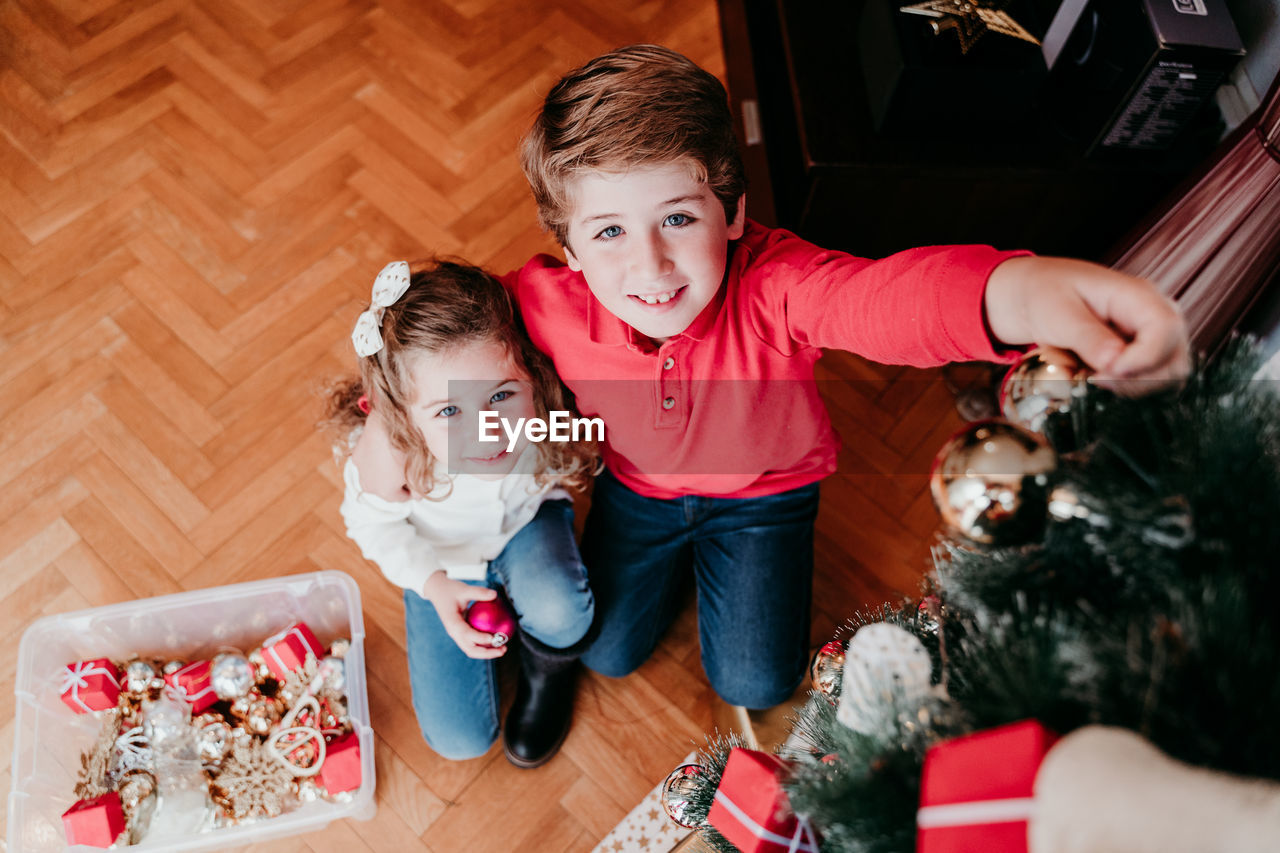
column 450, row 598
column 1130, row 335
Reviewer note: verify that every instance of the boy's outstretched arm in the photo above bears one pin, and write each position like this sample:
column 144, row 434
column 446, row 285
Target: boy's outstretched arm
column 1133, row 337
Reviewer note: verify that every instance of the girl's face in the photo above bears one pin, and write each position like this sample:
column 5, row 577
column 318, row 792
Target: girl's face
column 453, row 387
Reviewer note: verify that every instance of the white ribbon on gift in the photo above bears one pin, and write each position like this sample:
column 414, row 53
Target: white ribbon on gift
column 976, row 813
column 76, row 675
column 389, row 286
column 179, row 692
column 269, row 647
column 801, row 841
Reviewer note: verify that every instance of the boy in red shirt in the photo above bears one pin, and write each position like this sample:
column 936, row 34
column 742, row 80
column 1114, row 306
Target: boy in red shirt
column 693, row 332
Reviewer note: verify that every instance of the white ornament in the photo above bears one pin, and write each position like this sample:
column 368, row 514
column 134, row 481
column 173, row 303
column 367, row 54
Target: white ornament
column 886, row 672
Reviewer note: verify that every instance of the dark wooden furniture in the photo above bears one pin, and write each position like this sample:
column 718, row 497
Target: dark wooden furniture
column 818, row 166
column 1214, row 245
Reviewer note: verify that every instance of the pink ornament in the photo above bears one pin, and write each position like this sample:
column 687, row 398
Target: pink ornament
column 493, row 617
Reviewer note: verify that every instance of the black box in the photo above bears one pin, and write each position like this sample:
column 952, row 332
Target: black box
column 920, row 84
column 1134, row 75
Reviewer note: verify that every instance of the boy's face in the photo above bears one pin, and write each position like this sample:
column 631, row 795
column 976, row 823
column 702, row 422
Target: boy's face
column 651, row 243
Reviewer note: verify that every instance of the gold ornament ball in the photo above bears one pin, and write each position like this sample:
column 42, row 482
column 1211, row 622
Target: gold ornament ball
column 990, row 483
column 1045, row 383
column 680, row 785
column 826, row 667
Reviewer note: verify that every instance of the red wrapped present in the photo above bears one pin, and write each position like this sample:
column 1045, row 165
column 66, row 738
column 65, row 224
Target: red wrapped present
column 750, row 808
column 96, row 823
column 91, row 685
column 286, row 651
column 976, row 791
column 192, row 685
column 341, row 769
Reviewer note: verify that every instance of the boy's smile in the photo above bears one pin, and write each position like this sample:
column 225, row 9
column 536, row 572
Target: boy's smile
column 651, row 242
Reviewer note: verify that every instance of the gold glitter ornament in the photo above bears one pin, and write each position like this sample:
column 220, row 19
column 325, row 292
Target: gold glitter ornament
column 137, row 790
column 95, row 763
column 990, row 483
column 684, row 781
column 259, row 714
column 251, row 783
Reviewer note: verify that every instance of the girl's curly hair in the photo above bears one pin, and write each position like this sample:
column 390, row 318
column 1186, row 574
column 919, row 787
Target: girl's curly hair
column 450, row 303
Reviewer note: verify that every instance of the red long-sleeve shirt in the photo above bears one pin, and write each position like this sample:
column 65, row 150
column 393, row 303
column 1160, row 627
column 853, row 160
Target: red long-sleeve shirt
column 730, row 406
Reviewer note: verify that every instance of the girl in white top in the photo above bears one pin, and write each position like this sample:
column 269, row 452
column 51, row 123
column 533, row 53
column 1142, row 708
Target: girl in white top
column 449, row 517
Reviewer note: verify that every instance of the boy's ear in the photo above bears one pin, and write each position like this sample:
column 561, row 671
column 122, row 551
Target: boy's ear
column 739, row 223
column 573, row 262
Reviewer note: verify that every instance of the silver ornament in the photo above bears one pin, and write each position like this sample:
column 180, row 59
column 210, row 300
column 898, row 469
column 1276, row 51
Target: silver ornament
column 173, row 666
column 825, row 667
column 333, row 673
column 990, row 483
column 214, row 739
column 887, row 675
column 139, row 677
column 231, row 675
column 1044, row 391
column 166, row 726
column 676, row 790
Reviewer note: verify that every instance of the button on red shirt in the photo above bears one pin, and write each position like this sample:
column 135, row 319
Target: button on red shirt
column 729, row 407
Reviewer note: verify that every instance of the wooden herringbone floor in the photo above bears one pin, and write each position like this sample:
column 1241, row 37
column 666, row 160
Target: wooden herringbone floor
column 194, row 198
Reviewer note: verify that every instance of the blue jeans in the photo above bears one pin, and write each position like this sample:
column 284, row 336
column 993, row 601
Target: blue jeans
column 752, row 561
column 456, row 697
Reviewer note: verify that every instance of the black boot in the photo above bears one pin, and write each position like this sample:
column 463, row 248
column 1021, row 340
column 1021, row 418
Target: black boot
column 539, row 717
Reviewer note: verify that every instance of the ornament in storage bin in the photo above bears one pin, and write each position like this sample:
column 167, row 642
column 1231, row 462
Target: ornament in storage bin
column 287, row 651
column 193, row 684
column 91, row 685
column 976, row 791
column 751, row 810
column 97, row 822
column 341, row 769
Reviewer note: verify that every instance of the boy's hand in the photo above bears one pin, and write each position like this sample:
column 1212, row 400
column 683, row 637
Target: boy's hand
column 1133, row 338
column 450, row 598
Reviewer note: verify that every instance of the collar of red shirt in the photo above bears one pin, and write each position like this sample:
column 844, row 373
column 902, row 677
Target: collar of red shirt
column 605, row 328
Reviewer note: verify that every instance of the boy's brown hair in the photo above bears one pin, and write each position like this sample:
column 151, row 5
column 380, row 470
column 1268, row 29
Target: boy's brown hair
column 641, row 104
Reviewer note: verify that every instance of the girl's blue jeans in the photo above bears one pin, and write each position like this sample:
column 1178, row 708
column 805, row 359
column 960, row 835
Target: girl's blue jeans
column 456, row 697
column 751, row 560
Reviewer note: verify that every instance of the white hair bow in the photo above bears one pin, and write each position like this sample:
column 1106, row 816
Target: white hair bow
column 389, row 286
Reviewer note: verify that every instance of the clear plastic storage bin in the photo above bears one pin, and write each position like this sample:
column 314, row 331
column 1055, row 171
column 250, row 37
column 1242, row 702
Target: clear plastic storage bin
column 49, row 737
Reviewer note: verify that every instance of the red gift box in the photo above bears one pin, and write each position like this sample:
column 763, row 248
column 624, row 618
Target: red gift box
column 976, row 791
column 286, row 651
column 192, row 685
column 341, row 769
column 91, row 685
column 750, row 808
column 96, row 823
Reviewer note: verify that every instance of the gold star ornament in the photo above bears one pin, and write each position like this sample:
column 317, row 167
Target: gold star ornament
column 970, row 19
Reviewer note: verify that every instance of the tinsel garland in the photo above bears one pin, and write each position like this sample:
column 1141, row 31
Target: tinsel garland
column 1150, row 605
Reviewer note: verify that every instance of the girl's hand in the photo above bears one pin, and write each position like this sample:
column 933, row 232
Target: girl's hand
column 1133, row 337
column 450, row 598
